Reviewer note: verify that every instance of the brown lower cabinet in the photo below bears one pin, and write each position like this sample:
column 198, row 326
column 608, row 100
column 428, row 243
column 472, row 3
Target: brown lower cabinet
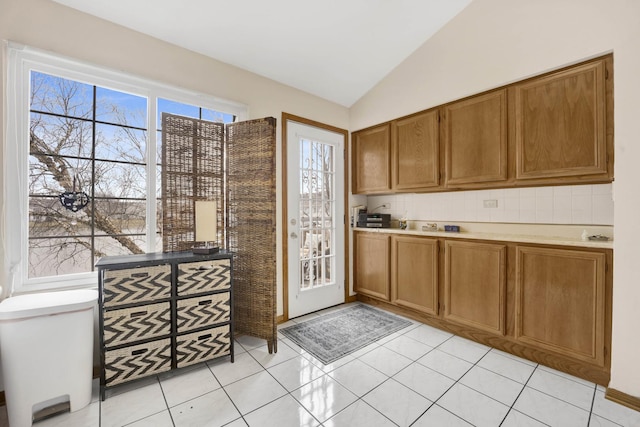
column 475, row 285
column 371, row 265
column 546, row 303
column 559, row 301
column 414, row 273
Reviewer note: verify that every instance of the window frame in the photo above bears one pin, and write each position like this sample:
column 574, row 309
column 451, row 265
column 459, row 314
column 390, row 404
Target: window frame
column 21, row 61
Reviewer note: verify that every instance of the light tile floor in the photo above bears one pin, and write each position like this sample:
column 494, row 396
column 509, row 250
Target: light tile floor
column 419, row 376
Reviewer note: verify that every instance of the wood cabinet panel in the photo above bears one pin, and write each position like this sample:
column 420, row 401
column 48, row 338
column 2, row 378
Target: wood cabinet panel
column 475, row 139
column 416, row 152
column 414, row 273
column 560, row 301
column 475, row 285
column 549, row 304
column 560, row 123
column 371, row 160
column 553, row 129
column 371, row 265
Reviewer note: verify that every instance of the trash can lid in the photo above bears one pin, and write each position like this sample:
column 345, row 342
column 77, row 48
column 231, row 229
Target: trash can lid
column 46, row 303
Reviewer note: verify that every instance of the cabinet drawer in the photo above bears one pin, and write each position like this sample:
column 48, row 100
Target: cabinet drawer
column 136, row 323
column 203, row 311
column 199, row 346
column 204, row 276
column 137, row 361
column 135, row 285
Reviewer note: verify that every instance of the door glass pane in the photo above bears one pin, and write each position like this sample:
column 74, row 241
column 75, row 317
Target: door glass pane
column 317, row 219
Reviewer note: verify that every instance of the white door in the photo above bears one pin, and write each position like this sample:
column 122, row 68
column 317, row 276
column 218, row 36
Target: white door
column 315, row 207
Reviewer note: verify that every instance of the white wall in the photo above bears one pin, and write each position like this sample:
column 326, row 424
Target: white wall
column 47, row 25
column 495, row 42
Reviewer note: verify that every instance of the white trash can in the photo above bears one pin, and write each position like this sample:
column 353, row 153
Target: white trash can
column 46, row 343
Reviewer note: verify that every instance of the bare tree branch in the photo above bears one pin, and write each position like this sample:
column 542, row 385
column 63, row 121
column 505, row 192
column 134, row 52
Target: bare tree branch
column 55, row 145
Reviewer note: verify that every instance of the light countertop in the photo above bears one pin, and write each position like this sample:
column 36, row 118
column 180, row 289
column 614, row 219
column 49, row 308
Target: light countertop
column 530, row 234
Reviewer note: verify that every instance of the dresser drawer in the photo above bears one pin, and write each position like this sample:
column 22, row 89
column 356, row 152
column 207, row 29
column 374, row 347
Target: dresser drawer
column 203, row 276
column 136, row 323
column 137, row 361
column 199, row 346
column 135, row 285
column 203, row 311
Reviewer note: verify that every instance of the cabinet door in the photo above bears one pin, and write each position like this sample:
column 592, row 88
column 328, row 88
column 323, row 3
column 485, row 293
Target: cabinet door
column 475, row 140
column 414, row 273
column 371, row 160
column 416, row 151
column 560, row 124
column 474, row 287
column 371, row 268
column 560, row 301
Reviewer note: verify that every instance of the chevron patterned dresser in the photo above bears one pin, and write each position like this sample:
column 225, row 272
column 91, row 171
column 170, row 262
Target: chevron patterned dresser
column 162, row 311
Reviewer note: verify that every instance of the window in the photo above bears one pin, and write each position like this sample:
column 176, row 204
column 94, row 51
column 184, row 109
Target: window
column 81, row 137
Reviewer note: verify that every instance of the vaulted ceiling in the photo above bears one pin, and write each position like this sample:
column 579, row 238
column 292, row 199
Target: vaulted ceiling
column 335, row 49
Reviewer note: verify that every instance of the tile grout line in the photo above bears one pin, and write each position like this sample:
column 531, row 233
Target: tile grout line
column 165, row 397
column 452, row 385
column 276, row 380
column 225, row 391
column 558, row 398
column 518, row 397
column 593, row 399
column 229, row 397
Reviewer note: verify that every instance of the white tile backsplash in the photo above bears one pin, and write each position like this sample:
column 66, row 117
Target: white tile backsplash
column 576, row 204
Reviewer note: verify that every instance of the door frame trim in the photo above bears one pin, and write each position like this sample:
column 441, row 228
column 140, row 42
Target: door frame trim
column 285, row 213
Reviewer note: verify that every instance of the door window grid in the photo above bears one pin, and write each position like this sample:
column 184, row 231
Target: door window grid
column 317, row 212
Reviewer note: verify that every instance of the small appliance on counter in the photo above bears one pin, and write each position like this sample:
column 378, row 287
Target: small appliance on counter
column 355, row 213
column 374, row 220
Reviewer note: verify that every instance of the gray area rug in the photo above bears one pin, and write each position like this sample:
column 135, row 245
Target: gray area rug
column 333, row 335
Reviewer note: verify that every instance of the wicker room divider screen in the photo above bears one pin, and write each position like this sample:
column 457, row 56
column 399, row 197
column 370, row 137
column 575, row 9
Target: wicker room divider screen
column 251, row 226
column 192, row 169
column 245, row 189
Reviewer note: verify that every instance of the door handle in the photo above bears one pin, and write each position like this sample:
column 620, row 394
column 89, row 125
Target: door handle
column 293, row 235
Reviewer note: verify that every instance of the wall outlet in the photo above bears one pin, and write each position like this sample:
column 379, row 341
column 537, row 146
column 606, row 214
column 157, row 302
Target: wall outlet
column 492, row 203
column 385, row 205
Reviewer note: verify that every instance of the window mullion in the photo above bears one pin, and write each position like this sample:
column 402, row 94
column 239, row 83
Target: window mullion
column 152, row 171
column 93, row 178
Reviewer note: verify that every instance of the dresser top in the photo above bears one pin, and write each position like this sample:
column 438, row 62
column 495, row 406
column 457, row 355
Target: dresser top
column 157, row 258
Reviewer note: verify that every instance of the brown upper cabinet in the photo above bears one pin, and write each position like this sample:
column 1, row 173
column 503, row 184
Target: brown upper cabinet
column 371, row 160
column 475, row 140
column 416, row 151
column 562, row 123
column 554, row 129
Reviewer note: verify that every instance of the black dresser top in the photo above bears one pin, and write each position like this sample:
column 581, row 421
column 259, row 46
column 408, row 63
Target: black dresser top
column 158, row 258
